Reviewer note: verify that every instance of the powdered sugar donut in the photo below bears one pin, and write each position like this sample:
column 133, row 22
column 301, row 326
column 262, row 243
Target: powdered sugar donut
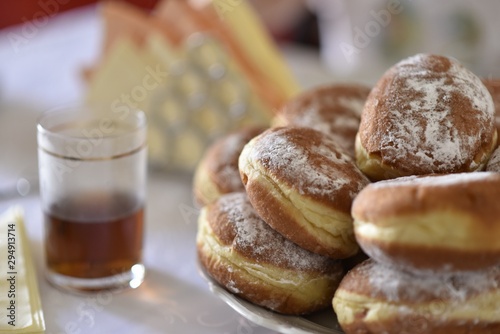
column 302, row 184
column 253, row 261
column 217, row 173
column 374, row 298
column 427, row 114
column 431, row 223
column 333, row 109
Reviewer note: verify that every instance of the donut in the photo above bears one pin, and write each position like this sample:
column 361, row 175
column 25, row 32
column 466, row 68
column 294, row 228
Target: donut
column 432, row 223
column 374, row 298
column 493, row 86
column 217, row 172
column 494, row 163
column 247, row 257
column 333, row 109
column 302, row 184
column 427, row 114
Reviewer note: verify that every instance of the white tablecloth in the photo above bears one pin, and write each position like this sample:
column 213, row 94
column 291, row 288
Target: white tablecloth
column 39, row 69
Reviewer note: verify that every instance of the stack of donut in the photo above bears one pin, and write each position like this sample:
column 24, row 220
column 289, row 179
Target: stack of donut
column 276, row 220
column 435, row 257
column 432, row 227
column 288, row 209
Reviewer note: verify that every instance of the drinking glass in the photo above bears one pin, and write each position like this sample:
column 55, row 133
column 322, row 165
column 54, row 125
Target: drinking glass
column 92, row 169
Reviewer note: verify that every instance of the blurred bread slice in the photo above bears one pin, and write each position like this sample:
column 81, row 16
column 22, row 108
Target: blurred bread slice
column 245, row 38
column 125, row 21
column 246, row 27
column 124, row 68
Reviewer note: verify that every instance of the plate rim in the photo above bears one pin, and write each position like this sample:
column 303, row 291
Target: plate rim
column 286, row 324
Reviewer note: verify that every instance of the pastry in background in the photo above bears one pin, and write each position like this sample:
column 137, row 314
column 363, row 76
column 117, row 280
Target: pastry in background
column 493, row 86
column 374, row 298
column 302, row 184
column 427, row 114
column 494, row 163
column 218, row 173
column 439, row 223
column 253, row 261
column 333, row 109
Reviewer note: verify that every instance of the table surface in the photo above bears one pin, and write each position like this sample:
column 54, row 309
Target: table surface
column 39, row 69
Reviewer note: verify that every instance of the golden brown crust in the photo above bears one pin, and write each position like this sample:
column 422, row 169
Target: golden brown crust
column 309, row 162
column 428, row 114
column 440, row 222
column 373, row 298
column 257, row 292
column 379, row 281
column 217, row 173
column 285, row 221
column 432, row 259
column 418, row 324
column 222, row 159
column 235, row 223
column 302, row 185
column 250, row 259
column 333, row 109
column 475, row 194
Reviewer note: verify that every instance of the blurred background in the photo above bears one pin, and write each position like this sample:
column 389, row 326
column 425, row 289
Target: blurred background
column 54, row 52
column 350, row 34
column 199, row 68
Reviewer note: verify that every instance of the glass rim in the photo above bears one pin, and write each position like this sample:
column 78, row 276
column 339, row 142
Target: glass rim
column 91, row 132
column 43, row 128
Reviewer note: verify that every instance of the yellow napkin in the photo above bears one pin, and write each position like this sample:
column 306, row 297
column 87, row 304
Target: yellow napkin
column 20, row 306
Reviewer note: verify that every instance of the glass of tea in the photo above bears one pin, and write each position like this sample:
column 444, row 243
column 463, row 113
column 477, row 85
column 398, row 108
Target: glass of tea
column 92, row 168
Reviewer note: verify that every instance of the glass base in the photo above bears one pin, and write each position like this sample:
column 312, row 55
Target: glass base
column 129, row 279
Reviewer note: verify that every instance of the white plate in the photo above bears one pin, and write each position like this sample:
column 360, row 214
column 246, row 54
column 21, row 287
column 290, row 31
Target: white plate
column 319, row 323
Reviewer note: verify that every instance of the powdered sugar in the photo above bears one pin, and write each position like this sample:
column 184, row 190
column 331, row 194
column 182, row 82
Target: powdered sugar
column 438, row 180
column 337, row 116
column 329, row 121
column 233, row 144
column 255, row 237
column 396, row 285
column 310, row 161
column 423, row 116
column 227, row 151
column 353, row 104
column 231, row 175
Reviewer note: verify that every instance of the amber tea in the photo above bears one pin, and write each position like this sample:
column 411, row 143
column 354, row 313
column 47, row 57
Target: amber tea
column 93, row 168
column 94, row 235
